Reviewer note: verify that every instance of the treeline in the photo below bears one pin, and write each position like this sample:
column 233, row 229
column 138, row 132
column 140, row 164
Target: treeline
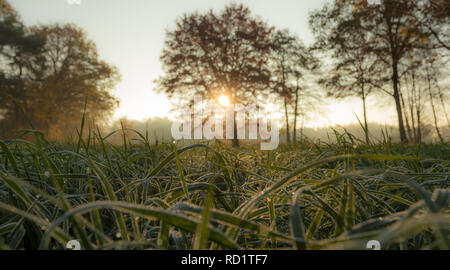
column 47, row 74
column 392, row 49
column 395, row 48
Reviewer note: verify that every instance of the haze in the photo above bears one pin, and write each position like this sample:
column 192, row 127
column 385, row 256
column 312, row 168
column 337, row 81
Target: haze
column 130, row 35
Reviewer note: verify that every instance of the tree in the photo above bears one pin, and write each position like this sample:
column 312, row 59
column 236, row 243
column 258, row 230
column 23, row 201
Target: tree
column 291, row 59
column 427, row 66
column 421, row 73
column 436, row 74
column 212, row 54
column 412, row 97
column 71, row 73
column 354, row 70
column 434, row 16
column 50, row 71
column 390, row 29
column 432, row 96
column 19, row 52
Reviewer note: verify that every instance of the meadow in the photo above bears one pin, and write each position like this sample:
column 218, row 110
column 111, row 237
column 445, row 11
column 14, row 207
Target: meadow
column 141, row 195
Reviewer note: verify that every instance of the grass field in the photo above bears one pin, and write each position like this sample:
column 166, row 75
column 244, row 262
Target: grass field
column 212, row 196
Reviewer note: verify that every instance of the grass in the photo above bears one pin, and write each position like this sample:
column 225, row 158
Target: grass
column 211, row 196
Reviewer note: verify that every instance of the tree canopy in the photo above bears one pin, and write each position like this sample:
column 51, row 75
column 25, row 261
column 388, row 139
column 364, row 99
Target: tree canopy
column 214, row 53
column 50, row 71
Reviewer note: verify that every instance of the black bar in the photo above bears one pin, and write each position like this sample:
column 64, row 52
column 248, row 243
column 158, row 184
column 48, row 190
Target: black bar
column 166, row 260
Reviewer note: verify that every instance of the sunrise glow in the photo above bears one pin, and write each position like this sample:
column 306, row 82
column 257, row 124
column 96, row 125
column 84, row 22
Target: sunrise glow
column 224, row 101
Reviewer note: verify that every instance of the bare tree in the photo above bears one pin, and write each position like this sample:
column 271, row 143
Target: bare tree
column 355, row 70
column 434, row 16
column 291, row 61
column 391, row 30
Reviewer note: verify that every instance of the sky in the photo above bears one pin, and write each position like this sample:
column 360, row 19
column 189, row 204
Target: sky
column 130, row 34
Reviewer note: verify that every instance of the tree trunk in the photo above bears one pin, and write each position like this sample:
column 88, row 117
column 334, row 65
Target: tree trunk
column 398, row 105
column 235, row 141
column 433, row 108
column 441, row 97
column 412, row 104
column 413, row 121
column 288, row 135
column 295, row 114
column 408, row 127
column 419, row 125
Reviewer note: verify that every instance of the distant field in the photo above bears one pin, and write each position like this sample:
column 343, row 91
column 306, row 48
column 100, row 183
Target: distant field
column 147, row 196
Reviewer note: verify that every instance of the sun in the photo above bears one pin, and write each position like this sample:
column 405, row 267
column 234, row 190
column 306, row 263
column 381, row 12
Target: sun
column 224, row 101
